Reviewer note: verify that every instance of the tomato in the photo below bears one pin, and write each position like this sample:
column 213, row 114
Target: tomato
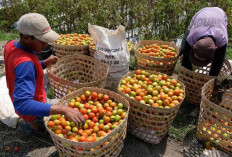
column 113, row 104
column 71, row 104
column 138, row 98
column 106, row 97
column 51, row 124
column 106, row 128
column 87, row 93
column 58, row 131
column 101, row 126
column 91, row 124
column 109, row 113
column 176, row 92
column 94, row 109
column 91, row 115
column 86, row 116
column 94, row 95
column 100, row 96
column 16, row 149
column 83, row 111
column 82, row 139
column 96, row 129
column 83, row 98
column 123, row 115
column 87, row 106
column 106, row 119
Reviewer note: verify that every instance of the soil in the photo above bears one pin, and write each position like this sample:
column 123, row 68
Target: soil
column 42, row 146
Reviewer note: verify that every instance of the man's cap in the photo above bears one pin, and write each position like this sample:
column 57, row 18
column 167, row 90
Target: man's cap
column 36, row 25
column 203, row 52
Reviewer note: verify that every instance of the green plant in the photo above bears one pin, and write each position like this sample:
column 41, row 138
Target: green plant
column 5, row 36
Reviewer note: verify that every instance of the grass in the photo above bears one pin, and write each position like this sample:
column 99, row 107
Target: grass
column 5, row 36
column 229, row 52
column 185, row 123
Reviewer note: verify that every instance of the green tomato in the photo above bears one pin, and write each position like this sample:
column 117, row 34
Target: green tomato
column 117, row 118
column 54, row 117
column 120, row 105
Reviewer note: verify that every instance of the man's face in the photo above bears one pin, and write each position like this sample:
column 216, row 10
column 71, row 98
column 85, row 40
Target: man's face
column 38, row 45
column 34, row 44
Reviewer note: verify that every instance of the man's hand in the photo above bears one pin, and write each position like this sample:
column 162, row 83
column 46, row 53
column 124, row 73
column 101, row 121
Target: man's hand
column 50, row 60
column 68, row 112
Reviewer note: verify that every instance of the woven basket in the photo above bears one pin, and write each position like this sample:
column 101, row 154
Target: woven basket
column 216, row 119
column 68, row 148
column 91, row 52
column 63, row 50
column 148, row 123
column 74, row 72
column 195, row 80
column 146, row 62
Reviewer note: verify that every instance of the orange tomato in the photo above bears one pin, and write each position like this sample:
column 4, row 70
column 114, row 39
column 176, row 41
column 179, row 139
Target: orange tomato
column 51, row 124
column 94, row 95
column 106, row 119
column 95, row 119
column 83, row 111
column 91, row 124
column 91, row 115
column 106, row 97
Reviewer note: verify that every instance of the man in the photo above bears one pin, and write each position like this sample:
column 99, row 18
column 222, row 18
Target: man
column 206, row 40
column 24, row 72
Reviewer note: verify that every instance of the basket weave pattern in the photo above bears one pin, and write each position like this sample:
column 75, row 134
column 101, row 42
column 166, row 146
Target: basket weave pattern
column 74, row 72
column 163, row 65
column 63, row 50
column 148, row 123
column 67, row 148
column 215, row 120
column 194, row 81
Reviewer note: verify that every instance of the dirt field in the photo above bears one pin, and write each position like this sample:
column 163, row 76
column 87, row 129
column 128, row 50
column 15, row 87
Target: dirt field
column 42, row 146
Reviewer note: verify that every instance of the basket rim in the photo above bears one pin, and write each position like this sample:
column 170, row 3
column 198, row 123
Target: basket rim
column 204, row 98
column 49, row 70
column 145, row 106
column 70, row 46
column 45, row 119
column 182, row 68
column 140, row 43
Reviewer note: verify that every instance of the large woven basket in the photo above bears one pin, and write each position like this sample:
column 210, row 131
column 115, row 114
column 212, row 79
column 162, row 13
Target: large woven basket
column 63, row 50
column 163, row 65
column 215, row 120
column 76, row 71
column 91, row 51
column 68, row 148
column 195, row 80
column 149, row 124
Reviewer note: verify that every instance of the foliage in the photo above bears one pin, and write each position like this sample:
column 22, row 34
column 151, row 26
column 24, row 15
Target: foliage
column 161, row 19
column 229, row 52
column 8, row 36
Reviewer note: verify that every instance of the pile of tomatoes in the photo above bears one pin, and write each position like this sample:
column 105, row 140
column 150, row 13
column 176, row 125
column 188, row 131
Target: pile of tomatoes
column 74, row 39
column 156, row 90
column 158, row 51
column 102, row 115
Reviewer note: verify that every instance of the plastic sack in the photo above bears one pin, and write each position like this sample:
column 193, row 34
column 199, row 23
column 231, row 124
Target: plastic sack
column 7, row 111
column 214, row 153
column 112, row 49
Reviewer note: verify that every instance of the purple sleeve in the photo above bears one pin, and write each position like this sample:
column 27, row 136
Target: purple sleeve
column 25, row 76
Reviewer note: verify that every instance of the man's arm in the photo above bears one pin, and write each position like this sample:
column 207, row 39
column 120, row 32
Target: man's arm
column 185, row 48
column 25, row 76
column 24, row 93
column 218, row 60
